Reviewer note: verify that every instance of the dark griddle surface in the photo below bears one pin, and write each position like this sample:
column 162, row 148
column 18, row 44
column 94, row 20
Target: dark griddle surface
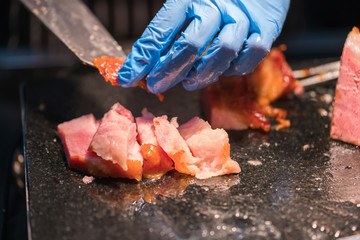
column 294, row 184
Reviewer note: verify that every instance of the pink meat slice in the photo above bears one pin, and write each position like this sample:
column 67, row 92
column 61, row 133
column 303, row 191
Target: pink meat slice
column 145, row 127
column 175, row 146
column 345, row 124
column 210, row 146
column 156, row 161
column 115, row 139
column 76, row 136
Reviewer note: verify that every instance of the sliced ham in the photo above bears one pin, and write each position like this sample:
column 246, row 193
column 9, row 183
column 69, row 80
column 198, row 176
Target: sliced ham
column 156, row 161
column 195, row 148
column 116, row 140
column 110, row 148
column 345, row 125
column 210, row 146
column 229, row 104
column 175, row 146
column 240, row 102
column 76, row 136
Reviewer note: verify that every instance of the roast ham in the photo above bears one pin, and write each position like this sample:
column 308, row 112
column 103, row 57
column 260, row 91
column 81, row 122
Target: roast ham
column 156, row 161
column 345, row 125
column 117, row 147
column 241, row 102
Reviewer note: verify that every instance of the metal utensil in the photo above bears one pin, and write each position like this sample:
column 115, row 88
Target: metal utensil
column 318, row 74
column 76, row 26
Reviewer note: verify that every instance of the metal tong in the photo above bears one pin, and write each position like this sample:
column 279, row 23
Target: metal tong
column 319, row 74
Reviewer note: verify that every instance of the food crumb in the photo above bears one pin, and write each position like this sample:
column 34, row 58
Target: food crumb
column 35, row 11
column 312, row 94
column 348, row 167
column 88, row 179
column 322, row 112
column 95, row 27
column 254, row 162
column 326, row 98
column 44, row 10
column 306, row 147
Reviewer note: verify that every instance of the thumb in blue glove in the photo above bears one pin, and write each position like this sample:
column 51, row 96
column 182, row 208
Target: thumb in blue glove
column 244, row 30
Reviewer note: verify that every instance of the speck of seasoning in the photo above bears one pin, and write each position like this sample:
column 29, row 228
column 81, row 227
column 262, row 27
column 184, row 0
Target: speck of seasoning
column 337, row 234
column 348, row 167
column 306, row 147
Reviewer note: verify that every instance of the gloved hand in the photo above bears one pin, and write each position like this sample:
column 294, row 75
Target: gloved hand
column 245, row 32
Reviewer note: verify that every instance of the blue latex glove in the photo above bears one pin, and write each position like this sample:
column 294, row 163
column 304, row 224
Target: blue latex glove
column 244, row 29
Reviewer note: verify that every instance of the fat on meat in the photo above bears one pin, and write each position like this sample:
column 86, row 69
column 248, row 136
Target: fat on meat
column 116, row 139
column 195, row 148
column 210, row 146
column 175, row 146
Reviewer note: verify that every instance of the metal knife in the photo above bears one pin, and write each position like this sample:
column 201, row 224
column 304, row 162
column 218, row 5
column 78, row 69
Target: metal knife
column 76, row 26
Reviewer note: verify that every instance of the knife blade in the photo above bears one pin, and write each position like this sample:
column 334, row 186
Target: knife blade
column 77, row 27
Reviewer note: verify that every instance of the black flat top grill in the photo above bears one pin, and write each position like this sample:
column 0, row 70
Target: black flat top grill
column 295, row 183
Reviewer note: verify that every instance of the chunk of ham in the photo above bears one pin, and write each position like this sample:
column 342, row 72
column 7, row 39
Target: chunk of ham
column 76, row 136
column 210, row 146
column 115, row 141
column 197, row 149
column 240, row 102
column 156, row 161
column 175, row 146
column 345, row 125
column 110, row 148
